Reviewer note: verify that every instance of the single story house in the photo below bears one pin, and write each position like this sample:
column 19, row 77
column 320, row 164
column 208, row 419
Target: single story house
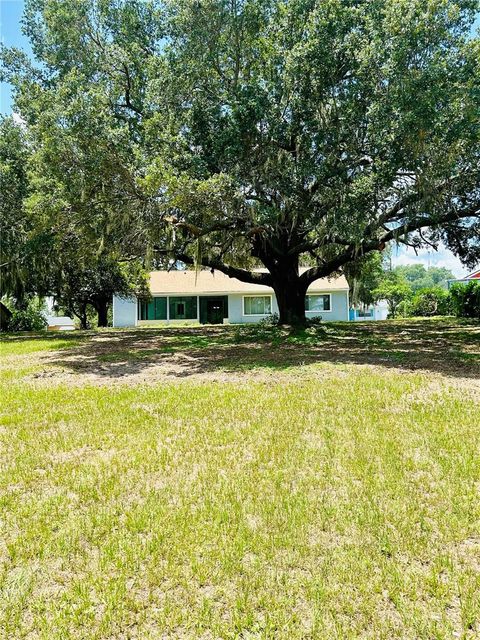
column 207, row 297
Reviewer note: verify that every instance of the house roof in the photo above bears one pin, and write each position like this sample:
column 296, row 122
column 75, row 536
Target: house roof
column 205, row 282
column 473, row 276
column 55, row 321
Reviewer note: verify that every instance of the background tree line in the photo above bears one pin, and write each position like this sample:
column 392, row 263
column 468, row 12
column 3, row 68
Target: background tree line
column 413, row 290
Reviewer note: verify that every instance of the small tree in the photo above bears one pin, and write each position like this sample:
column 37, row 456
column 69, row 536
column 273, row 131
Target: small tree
column 80, row 287
column 394, row 290
column 30, row 318
column 430, row 301
column 364, row 276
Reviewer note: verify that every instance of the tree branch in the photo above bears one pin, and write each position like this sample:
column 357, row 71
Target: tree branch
column 398, row 234
column 252, row 277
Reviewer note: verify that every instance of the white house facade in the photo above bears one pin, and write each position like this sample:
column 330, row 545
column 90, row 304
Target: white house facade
column 181, row 297
column 362, row 313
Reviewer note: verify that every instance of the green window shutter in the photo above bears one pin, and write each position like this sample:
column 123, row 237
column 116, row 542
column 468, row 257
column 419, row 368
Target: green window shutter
column 151, row 310
column 161, row 308
column 191, row 308
column 203, row 310
column 154, row 309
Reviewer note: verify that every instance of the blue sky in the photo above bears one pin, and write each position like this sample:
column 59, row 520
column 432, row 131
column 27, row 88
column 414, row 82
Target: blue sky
column 11, row 35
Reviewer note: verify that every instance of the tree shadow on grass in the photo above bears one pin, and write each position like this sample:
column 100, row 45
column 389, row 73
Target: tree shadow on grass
column 441, row 346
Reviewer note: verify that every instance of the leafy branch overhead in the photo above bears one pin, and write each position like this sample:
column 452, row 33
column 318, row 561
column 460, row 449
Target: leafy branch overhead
column 236, row 134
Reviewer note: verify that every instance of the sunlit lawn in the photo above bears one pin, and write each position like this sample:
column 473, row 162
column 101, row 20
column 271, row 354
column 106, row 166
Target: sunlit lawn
column 342, row 506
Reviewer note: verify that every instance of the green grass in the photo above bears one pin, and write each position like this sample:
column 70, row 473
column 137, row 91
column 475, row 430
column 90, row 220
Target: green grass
column 343, row 506
column 18, row 346
column 467, row 357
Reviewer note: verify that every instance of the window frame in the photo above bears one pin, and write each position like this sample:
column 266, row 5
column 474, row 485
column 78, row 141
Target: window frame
column 366, row 313
column 143, row 304
column 257, row 315
column 317, row 295
column 185, row 300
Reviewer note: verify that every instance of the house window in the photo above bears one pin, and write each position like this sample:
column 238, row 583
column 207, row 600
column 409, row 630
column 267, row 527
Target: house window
column 365, row 313
column 318, row 303
column 184, row 308
column 153, row 309
column 257, row 305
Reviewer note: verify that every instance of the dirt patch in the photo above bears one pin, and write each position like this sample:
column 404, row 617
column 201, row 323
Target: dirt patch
column 221, row 354
column 212, row 365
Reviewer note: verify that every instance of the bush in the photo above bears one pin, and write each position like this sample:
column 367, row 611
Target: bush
column 430, row 301
column 271, row 320
column 394, row 290
column 264, row 331
column 30, row 319
column 466, row 299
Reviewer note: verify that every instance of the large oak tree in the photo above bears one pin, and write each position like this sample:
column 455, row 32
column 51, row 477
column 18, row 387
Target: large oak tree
column 242, row 133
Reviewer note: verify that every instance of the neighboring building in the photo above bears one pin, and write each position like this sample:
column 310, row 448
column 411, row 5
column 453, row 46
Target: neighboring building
column 214, row 298
column 5, row 315
column 60, row 323
column 54, row 322
column 378, row 311
column 475, row 276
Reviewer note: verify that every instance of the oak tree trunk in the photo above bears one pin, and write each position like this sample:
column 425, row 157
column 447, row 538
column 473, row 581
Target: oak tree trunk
column 102, row 312
column 290, row 292
column 83, row 317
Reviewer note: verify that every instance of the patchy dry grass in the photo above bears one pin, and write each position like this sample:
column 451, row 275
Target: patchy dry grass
column 240, row 354
column 325, row 496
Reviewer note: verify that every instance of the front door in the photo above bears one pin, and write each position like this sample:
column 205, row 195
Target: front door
column 215, row 311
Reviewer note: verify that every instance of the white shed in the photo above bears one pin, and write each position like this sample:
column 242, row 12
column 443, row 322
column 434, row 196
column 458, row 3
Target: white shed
column 60, row 323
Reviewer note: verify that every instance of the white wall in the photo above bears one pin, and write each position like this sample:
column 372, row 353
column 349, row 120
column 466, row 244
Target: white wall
column 339, row 308
column 378, row 312
column 235, row 309
column 381, row 310
column 124, row 312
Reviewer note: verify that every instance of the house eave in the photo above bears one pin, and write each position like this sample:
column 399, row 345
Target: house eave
column 213, row 294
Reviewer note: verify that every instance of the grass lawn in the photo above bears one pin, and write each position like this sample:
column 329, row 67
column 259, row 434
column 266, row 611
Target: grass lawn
column 224, row 483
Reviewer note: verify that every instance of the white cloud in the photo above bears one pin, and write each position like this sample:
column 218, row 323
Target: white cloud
column 429, row 258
